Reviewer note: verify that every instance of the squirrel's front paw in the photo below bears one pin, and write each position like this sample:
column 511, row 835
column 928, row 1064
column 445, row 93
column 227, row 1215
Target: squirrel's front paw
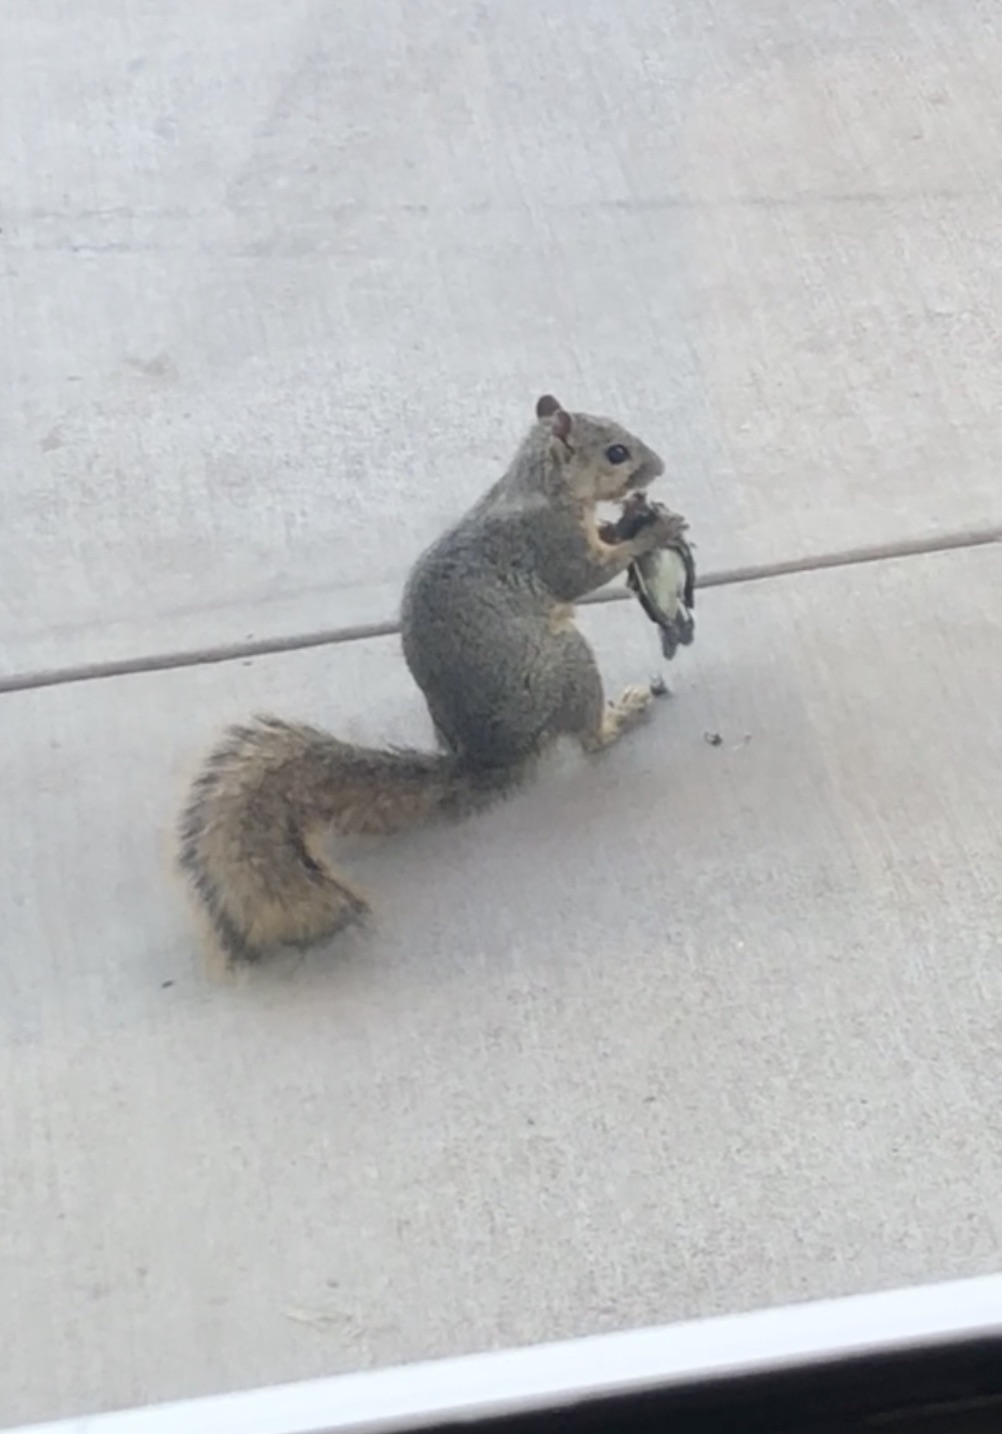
column 645, row 525
column 666, row 529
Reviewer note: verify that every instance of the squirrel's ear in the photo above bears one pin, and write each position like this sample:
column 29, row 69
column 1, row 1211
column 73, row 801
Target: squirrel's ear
column 547, row 406
column 560, row 425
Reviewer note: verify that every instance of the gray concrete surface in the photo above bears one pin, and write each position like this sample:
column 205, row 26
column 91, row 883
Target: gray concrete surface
column 689, row 1030
column 283, row 280
column 693, row 1029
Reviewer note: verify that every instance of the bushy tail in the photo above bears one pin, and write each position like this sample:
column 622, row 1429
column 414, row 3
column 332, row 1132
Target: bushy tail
column 252, row 831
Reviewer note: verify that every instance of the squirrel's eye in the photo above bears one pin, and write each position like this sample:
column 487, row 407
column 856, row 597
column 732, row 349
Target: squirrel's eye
column 616, row 453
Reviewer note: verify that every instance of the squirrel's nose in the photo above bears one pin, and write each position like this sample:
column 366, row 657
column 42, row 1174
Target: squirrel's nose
column 651, row 468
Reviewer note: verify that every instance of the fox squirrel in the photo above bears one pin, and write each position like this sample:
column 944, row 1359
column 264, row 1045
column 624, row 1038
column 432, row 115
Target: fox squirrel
column 489, row 637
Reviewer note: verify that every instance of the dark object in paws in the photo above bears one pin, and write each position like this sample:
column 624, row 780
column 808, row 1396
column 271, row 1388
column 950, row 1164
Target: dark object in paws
column 663, row 580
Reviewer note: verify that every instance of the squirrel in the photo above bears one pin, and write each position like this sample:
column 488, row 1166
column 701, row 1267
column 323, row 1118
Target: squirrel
column 489, row 637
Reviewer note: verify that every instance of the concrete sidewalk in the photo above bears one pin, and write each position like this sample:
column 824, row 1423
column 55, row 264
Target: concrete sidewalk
column 688, row 1030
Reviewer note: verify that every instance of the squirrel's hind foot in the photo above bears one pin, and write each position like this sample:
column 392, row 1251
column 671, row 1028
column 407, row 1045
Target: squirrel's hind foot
column 621, row 716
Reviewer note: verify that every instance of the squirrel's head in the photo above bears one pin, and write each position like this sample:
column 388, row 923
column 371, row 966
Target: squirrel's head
column 595, row 459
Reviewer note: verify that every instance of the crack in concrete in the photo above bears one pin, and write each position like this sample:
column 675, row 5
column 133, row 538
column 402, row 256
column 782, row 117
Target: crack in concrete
column 302, row 642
